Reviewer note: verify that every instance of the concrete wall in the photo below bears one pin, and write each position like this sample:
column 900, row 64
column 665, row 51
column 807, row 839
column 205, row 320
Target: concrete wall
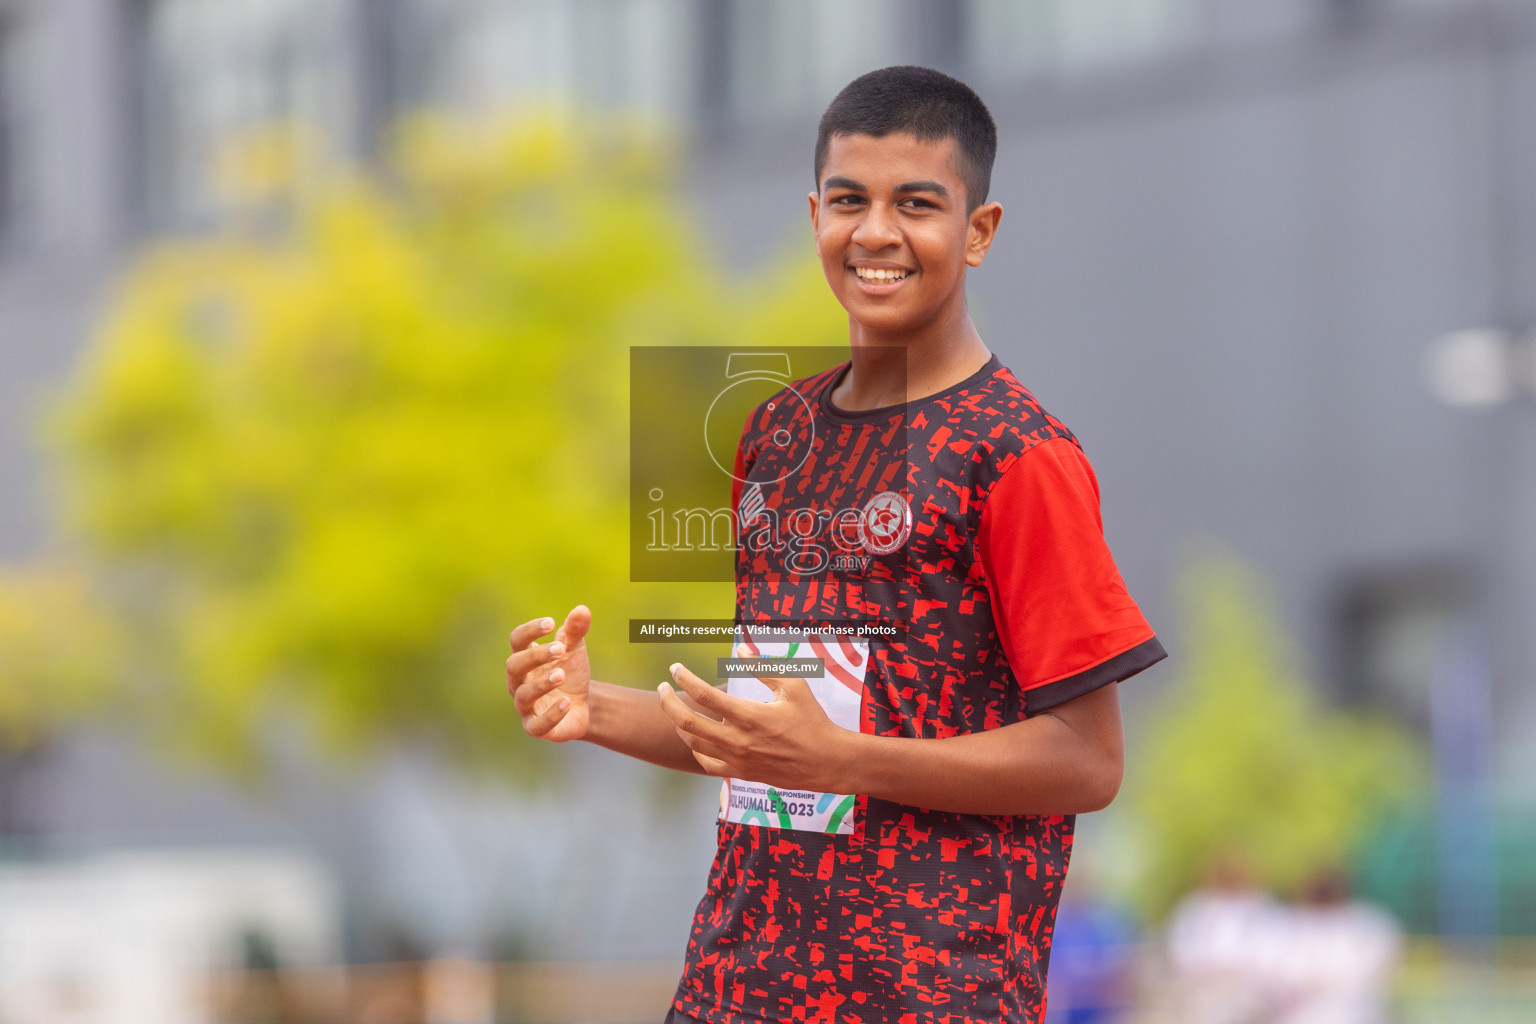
column 1223, row 272
column 1220, row 270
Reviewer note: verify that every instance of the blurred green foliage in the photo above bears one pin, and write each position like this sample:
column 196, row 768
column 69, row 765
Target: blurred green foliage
column 1240, row 759
column 326, row 458
column 58, row 643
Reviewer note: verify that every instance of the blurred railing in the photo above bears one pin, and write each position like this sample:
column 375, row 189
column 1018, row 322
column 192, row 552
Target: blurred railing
column 1492, row 985
column 1495, row 986
column 447, row 991
column 1434, row 984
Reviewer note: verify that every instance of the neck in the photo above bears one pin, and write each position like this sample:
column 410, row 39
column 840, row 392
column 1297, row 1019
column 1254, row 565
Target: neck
column 893, row 368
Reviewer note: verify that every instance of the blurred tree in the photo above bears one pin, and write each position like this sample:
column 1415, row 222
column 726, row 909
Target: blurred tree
column 328, row 457
column 58, row 643
column 1240, row 758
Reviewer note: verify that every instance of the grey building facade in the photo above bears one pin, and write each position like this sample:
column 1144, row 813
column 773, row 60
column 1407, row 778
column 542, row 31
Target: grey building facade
column 1232, row 230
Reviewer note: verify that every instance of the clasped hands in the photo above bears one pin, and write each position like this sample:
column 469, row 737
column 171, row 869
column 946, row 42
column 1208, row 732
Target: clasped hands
column 788, row 742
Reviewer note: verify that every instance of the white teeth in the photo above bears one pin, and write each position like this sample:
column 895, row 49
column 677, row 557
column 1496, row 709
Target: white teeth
column 879, row 275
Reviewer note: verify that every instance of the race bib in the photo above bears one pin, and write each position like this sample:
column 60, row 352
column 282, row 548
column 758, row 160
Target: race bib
column 838, row 683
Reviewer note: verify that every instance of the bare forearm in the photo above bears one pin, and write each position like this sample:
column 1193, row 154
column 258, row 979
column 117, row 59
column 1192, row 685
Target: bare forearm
column 1038, row 766
column 631, row 722
column 1064, row 761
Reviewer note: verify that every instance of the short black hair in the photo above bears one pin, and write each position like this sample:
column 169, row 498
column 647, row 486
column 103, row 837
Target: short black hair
column 921, row 102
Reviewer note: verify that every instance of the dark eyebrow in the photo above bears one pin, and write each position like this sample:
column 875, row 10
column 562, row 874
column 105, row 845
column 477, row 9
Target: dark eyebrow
column 840, row 182
column 905, row 188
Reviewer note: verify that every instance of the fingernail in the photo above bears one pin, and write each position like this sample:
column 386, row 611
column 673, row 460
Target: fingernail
column 565, row 705
column 548, row 624
column 556, row 649
column 676, row 668
column 663, row 688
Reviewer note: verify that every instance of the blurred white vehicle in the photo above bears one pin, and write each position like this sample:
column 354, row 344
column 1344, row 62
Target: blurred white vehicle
column 133, row 937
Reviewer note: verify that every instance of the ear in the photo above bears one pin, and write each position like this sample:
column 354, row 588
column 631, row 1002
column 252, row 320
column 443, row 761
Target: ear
column 815, row 209
column 981, row 229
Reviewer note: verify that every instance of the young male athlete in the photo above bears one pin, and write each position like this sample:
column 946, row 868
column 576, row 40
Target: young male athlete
column 896, row 830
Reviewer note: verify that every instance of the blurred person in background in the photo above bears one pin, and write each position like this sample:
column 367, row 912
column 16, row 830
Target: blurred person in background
column 1221, row 943
column 1334, row 958
column 263, row 993
column 1093, row 958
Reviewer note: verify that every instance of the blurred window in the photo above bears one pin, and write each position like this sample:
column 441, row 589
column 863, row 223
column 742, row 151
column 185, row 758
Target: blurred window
column 791, row 56
column 216, row 74
column 1359, row 10
column 16, row 145
column 487, row 56
column 1396, row 627
column 1430, row 3
column 1010, row 39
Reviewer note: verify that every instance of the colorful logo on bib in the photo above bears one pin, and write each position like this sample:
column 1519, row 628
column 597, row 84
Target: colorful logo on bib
column 886, row 523
column 839, row 689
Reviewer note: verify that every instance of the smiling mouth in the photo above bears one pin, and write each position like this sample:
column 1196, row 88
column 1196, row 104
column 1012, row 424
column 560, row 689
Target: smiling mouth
column 874, row 276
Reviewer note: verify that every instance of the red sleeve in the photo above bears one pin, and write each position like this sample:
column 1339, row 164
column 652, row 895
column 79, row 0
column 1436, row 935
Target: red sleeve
column 1066, row 621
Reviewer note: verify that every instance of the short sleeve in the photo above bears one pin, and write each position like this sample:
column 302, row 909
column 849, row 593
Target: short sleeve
column 1064, row 617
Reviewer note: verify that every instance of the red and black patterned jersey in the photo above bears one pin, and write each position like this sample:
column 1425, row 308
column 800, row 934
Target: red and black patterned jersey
column 970, row 520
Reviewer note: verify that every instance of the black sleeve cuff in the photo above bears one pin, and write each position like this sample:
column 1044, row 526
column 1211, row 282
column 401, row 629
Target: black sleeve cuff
column 1121, row 666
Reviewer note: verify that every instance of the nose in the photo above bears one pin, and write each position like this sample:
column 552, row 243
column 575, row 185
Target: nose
column 877, row 228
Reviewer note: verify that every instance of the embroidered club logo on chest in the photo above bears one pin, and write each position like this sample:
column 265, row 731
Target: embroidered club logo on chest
column 886, row 523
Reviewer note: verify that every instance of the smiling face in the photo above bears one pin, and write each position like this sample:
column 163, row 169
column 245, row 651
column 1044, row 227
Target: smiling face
column 893, row 233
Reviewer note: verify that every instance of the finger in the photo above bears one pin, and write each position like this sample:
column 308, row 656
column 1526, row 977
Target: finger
column 708, row 697
column 787, row 687
column 688, row 722
column 530, row 658
column 574, row 630
column 526, row 697
column 774, row 683
column 780, row 686
column 530, row 631
column 550, row 717
column 702, row 748
column 712, row 765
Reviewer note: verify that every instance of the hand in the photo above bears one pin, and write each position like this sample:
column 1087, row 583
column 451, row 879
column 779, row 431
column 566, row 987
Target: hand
column 550, row 683
column 788, row 742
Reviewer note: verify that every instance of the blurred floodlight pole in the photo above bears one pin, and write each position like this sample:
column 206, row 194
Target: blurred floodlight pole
column 1477, row 370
